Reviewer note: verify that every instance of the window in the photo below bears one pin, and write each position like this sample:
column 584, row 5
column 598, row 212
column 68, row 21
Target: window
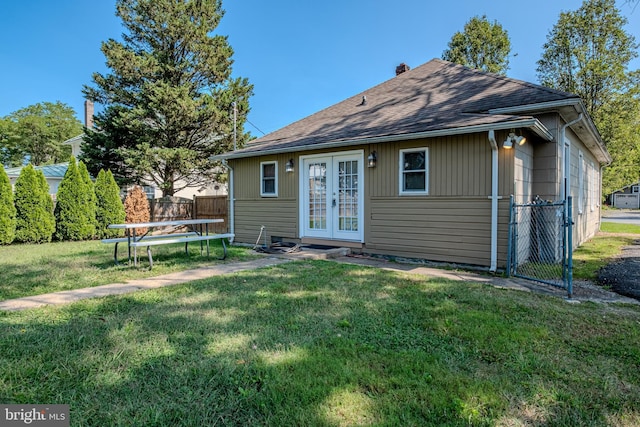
column 269, row 179
column 413, row 171
column 635, row 189
column 581, row 166
column 593, row 186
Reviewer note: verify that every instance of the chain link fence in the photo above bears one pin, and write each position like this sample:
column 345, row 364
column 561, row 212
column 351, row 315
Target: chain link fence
column 539, row 242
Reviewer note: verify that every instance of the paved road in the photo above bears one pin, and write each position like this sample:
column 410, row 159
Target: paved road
column 622, row 216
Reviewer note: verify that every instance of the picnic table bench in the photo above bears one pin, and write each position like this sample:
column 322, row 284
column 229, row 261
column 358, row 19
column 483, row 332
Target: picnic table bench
column 148, row 240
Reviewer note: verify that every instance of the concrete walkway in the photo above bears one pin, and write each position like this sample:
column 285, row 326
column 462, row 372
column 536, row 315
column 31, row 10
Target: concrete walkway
column 582, row 292
column 66, row 297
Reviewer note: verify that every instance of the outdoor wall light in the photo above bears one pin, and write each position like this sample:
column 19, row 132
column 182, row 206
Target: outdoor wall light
column 513, row 139
column 372, row 159
column 288, row 167
column 508, row 143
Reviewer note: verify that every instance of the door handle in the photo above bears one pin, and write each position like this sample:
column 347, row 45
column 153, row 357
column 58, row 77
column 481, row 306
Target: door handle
column 333, row 204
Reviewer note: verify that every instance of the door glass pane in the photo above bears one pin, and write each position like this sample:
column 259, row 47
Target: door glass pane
column 318, row 196
column 348, row 195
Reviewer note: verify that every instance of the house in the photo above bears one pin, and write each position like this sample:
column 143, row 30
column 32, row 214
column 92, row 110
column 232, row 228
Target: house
column 153, row 192
column 627, row 197
column 52, row 173
column 421, row 166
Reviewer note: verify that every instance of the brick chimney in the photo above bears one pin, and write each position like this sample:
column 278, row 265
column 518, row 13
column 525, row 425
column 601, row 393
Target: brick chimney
column 402, row 68
column 88, row 114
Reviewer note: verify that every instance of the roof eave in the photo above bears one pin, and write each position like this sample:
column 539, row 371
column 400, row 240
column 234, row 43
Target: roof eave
column 534, row 124
column 598, row 147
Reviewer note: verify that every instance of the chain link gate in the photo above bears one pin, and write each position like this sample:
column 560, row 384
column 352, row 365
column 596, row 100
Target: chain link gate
column 540, row 236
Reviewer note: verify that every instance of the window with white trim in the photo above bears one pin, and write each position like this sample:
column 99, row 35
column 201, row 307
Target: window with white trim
column 635, row 189
column 414, row 171
column 580, row 182
column 269, row 179
column 593, row 186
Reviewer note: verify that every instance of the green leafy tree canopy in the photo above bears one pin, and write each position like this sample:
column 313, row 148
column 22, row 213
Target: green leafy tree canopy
column 171, row 82
column 588, row 53
column 39, row 130
column 482, row 45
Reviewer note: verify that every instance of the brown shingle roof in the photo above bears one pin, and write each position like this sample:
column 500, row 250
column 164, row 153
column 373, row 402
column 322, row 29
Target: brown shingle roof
column 438, row 95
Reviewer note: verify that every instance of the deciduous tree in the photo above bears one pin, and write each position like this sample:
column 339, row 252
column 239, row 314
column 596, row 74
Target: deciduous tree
column 41, row 129
column 588, row 53
column 170, row 82
column 482, row 45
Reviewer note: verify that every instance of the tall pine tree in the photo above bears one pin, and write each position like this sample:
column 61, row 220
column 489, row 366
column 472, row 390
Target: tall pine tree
column 169, row 92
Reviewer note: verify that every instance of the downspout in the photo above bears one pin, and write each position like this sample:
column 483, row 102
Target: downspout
column 494, row 201
column 232, row 222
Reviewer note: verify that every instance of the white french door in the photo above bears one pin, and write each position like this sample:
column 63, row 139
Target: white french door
column 332, row 196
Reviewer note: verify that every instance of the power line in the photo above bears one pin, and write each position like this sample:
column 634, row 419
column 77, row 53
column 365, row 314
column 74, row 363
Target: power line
column 257, row 128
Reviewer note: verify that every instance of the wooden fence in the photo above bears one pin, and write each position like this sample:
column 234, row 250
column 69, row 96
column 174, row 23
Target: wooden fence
column 171, row 208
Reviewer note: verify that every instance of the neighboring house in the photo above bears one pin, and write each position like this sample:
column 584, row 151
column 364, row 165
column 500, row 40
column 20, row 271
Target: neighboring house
column 418, row 167
column 52, row 173
column 213, row 189
column 625, row 198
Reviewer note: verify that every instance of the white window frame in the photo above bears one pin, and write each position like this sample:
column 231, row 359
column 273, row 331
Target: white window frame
column 593, row 194
column 275, row 179
column 581, row 165
column 401, row 172
column 635, row 189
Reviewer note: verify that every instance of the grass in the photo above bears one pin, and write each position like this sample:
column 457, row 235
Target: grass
column 319, row 343
column 594, row 254
column 27, row 270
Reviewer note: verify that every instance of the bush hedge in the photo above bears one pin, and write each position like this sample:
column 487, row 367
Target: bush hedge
column 7, row 209
column 35, row 222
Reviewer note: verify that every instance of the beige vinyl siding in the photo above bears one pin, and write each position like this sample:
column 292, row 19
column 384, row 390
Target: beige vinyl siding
column 458, row 166
column 453, row 222
column 279, row 215
column 450, row 224
column 437, row 229
column 523, row 172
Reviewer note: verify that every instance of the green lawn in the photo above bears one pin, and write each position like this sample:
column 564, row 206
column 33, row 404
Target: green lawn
column 327, row 344
column 313, row 343
column 27, row 270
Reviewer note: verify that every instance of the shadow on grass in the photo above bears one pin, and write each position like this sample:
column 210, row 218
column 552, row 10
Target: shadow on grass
column 320, row 343
column 27, row 270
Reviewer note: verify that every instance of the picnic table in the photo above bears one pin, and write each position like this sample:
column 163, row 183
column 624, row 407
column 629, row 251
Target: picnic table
column 195, row 233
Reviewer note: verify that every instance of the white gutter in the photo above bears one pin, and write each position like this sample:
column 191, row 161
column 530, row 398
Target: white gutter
column 494, row 201
column 549, row 105
column 534, row 124
column 232, row 217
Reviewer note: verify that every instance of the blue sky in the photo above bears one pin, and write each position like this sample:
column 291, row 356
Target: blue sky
column 301, row 56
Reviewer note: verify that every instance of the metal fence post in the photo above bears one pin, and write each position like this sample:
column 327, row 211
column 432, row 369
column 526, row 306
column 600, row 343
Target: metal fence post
column 510, row 242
